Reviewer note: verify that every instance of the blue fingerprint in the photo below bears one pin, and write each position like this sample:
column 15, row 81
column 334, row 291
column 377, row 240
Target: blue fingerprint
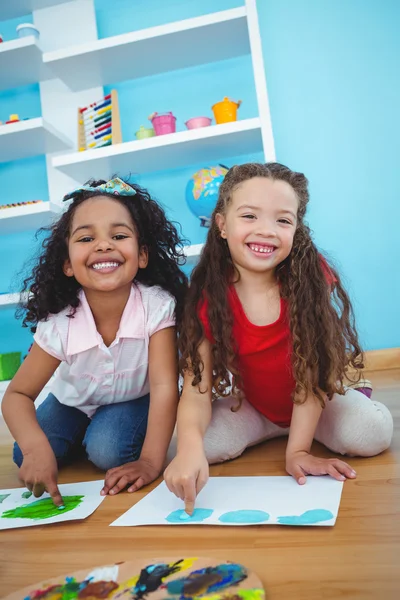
column 244, row 516
column 199, row 514
column 310, row 517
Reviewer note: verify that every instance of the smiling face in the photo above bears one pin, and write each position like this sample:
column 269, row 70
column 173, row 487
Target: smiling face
column 103, row 249
column 259, row 223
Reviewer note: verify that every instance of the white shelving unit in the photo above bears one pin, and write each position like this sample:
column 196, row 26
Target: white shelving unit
column 170, row 151
column 72, row 74
column 178, row 45
column 30, row 138
column 28, row 217
column 10, row 9
column 21, row 63
column 9, row 300
column 192, row 253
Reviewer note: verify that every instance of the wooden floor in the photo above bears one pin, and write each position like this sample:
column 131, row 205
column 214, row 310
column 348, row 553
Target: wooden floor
column 358, row 558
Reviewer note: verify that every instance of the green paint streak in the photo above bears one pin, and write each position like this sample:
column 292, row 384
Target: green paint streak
column 26, row 495
column 3, row 497
column 42, row 509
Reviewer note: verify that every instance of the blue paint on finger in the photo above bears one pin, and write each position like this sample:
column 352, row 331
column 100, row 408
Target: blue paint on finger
column 310, row 517
column 247, row 517
column 199, row 515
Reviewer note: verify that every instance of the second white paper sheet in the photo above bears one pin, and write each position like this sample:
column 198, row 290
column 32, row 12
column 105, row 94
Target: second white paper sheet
column 243, row 501
column 18, row 508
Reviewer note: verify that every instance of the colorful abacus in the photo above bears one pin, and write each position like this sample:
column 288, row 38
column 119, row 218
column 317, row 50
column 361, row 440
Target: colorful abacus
column 99, row 124
column 16, row 204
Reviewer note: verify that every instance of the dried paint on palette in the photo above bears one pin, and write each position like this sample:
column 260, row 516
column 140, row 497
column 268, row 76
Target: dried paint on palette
column 213, row 583
column 209, row 580
column 42, row 509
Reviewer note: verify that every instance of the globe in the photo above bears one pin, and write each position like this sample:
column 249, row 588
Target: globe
column 202, row 191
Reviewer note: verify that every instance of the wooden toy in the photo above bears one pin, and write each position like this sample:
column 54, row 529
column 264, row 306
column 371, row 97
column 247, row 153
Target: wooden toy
column 99, row 123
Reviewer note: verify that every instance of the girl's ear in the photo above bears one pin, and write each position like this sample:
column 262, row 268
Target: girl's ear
column 67, row 268
column 220, row 221
column 143, row 257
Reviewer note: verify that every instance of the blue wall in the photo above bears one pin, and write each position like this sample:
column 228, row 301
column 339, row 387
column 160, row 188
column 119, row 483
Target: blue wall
column 334, row 94
column 20, row 181
column 334, row 89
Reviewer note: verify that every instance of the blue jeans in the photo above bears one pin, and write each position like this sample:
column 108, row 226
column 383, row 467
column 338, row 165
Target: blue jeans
column 113, row 437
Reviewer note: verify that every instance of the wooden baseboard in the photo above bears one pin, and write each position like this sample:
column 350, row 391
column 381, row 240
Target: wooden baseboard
column 382, row 360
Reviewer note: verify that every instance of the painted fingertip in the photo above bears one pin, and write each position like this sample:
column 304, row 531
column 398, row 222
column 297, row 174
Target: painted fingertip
column 184, row 516
column 61, row 507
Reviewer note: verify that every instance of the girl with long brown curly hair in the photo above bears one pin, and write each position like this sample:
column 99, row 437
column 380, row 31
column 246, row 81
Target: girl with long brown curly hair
column 268, row 331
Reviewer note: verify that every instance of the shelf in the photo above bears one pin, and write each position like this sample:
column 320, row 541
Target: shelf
column 172, row 151
column 30, row 138
column 10, row 9
column 21, row 63
column 192, row 253
column 9, row 300
column 186, row 43
column 28, row 217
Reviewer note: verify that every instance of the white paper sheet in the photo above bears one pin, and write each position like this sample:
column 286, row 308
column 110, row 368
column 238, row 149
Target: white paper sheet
column 243, row 501
column 12, row 505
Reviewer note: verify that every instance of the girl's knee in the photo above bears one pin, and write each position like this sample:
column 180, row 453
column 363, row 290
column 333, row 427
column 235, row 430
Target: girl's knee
column 357, row 426
column 375, row 430
column 107, row 451
column 231, row 432
column 104, row 456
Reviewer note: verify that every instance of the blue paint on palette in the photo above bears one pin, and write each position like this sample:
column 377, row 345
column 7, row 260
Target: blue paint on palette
column 310, row 517
column 199, row 515
column 248, row 517
column 209, row 580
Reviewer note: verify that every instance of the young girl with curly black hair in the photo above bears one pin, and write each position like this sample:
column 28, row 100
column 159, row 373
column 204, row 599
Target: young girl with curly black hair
column 268, row 321
column 103, row 302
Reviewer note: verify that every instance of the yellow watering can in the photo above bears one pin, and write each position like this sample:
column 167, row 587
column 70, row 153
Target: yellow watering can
column 226, row 110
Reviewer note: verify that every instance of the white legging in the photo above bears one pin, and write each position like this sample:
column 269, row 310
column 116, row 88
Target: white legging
column 351, row 424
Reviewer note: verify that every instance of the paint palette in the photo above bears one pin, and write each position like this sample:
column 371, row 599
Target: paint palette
column 157, row 579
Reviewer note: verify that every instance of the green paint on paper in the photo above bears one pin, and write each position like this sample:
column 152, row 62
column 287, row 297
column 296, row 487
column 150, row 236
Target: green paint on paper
column 26, row 495
column 3, row 497
column 42, row 509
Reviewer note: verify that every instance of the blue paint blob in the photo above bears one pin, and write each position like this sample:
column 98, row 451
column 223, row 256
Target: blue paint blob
column 310, row 517
column 185, row 516
column 244, row 516
column 209, row 580
column 199, row 515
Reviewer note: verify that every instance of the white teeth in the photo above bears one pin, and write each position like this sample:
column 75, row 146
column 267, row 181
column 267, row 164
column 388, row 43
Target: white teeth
column 262, row 249
column 105, row 265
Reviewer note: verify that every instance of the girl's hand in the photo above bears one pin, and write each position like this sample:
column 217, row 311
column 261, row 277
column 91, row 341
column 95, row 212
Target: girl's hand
column 139, row 473
column 186, row 476
column 39, row 473
column 300, row 464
